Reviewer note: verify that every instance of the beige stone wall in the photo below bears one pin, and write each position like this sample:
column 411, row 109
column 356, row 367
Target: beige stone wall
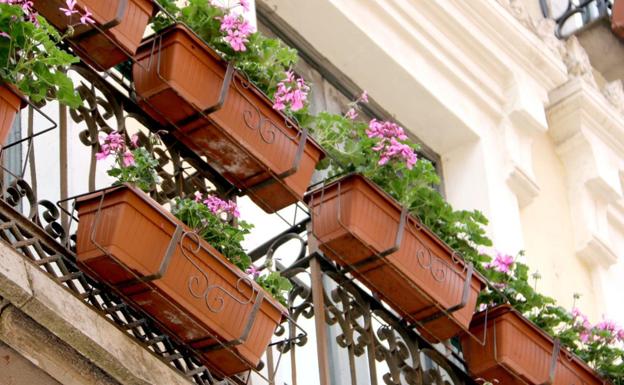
column 65, row 338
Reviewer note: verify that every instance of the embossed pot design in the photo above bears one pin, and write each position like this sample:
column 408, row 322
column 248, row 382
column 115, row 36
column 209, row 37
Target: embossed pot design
column 121, row 26
column 356, row 223
column 10, row 103
column 253, row 146
column 150, row 258
column 518, row 352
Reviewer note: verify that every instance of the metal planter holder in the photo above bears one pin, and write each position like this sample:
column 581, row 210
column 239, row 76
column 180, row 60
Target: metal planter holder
column 187, row 245
column 425, row 257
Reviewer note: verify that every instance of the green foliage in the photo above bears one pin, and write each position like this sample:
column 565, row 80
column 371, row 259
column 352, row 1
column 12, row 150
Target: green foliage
column 223, row 235
column 600, row 348
column 216, row 230
column 351, row 150
column 31, row 60
column 264, row 61
column 276, row 285
column 142, row 173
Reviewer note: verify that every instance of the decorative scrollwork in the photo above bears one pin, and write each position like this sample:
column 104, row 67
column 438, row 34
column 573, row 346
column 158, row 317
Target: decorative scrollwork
column 256, row 120
column 214, row 302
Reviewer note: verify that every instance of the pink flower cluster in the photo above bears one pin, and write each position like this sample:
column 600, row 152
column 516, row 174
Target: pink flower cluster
column 29, row 13
column 114, row 144
column 71, row 10
column 502, row 263
column 352, row 113
column 253, row 271
column 292, row 92
column 238, row 30
column 389, row 145
column 605, row 331
column 218, row 206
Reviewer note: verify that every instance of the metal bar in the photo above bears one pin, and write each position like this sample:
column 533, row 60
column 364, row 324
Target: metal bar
column 63, row 162
column 164, row 264
column 553, row 362
column 293, row 168
column 456, row 307
column 322, row 350
column 270, row 365
column 245, row 334
column 261, row 250
column 360, row 265
column 225, row 87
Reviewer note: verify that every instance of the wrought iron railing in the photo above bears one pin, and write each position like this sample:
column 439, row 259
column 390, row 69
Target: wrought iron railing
column 352, row 336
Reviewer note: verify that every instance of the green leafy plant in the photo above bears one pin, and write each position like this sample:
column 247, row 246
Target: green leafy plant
column 264, row 60
column 383, row 152
column 213, row 219
column 216, row 221
column 133, row 165
column 30, row 58
column 599, row 345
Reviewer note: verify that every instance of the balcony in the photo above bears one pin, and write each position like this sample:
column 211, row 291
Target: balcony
column 353, row 327
column 361, row 310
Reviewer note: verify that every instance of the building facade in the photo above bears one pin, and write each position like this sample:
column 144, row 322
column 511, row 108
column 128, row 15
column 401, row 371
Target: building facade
column 521, row 125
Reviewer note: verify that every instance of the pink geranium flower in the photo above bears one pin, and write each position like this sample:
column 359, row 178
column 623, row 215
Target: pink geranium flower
column 502, row 263
column 364, row 97
column 292, row 93
column 86, row 17
column 128, row 159
column 70, row 10
column 253, row 271
column 351, row 114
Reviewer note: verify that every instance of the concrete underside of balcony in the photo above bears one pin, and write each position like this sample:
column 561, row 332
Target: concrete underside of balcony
column 48, row 336
column 605, row 50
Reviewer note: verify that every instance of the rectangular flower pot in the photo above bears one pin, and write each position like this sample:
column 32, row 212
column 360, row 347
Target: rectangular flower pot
column 518, row 352
column 355, row 221
column 128, row 241
column 253, row 146
column 123, row 23
column 10, row 104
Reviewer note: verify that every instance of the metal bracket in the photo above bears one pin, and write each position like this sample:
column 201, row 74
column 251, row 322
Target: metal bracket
column 164, row 265
column 293, row 169
column 225, row 87
column 553, row 359
column 245, row 334
column 460, row 305
column 382, row 254
column 553, row 363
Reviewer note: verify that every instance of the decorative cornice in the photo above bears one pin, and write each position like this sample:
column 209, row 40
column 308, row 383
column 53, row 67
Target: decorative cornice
column 597, row 253
column 580, row 105
column 524, row 186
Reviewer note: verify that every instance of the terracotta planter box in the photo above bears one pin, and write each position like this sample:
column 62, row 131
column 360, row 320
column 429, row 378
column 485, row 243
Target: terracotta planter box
column 617, row 19
column 516, row 350
column 124, row 22
column 142, row 251
column 354, row 220
column 249, row 143
column 10, row 103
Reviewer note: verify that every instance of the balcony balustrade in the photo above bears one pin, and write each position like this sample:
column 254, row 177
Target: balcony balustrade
column 337, row 330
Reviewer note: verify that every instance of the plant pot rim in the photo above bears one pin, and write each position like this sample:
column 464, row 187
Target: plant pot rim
column 174, row 221
column 13, row 88
column 183, row 28
column 500, row 310
column 388, row 198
